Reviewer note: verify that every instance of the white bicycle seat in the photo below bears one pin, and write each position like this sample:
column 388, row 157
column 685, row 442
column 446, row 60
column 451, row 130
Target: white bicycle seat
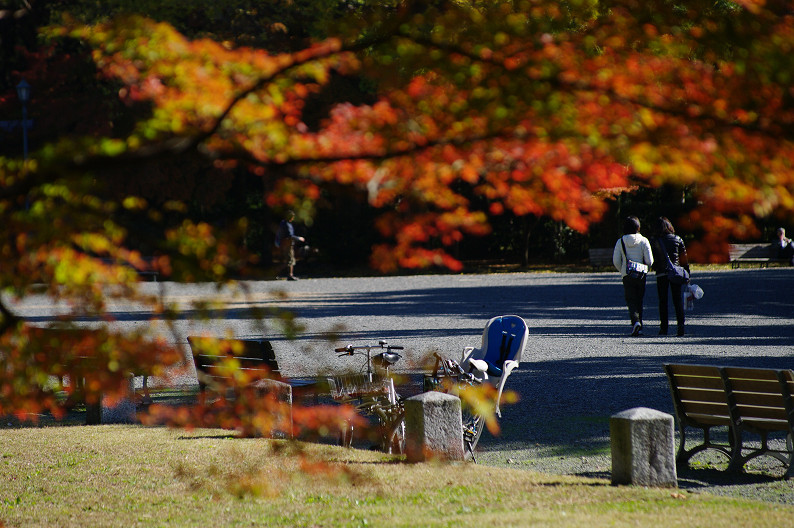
column 479, row 364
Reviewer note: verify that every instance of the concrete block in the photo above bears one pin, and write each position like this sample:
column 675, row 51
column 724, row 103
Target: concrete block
column 433, row 428
column 283, row 395
column 643, row 448
column 122, row 411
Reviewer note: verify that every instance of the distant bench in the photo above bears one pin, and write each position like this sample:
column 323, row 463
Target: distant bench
column 600, row 257
column 750, row 400
column 761, row 254
column 252, row 356
column 78, row 366
column 229, row 367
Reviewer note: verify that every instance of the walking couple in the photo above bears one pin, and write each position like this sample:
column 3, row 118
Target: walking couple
column 632, row 249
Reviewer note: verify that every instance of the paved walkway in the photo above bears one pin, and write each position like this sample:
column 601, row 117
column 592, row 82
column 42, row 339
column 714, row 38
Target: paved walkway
column 580, row 365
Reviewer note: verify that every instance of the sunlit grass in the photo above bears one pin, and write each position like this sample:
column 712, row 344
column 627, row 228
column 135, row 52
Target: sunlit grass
column 132, row 475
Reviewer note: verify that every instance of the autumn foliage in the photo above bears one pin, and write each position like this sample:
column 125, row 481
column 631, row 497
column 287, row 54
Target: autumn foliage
column 53, row 369
column 539, row 108
column 534, row 107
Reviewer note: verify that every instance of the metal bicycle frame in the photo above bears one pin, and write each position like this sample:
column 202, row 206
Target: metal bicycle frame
column 391, row 413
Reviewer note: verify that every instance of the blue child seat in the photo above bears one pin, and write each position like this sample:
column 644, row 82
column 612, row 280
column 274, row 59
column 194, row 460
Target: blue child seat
column 503, row 342
column 503, row 339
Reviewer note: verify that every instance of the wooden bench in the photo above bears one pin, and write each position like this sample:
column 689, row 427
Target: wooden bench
column 254, row 357
column 600, row 257
column 745, row 400
column 77, row 367
column 761, row 254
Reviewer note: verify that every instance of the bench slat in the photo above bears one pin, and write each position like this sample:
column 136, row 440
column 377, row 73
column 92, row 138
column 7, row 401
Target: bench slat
column 210, row 360
column 750, row 373
column 705, row 408
column 752, row 412
column 758, row 399
column 699, row 382
column 704, row 395
column 220, row 371
column 759, row 387
column 693, row 370
column 766, row 424
column 709, row 419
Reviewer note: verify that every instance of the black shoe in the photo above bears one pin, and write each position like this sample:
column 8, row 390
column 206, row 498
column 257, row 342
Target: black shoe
column 680, row 332
column 292, row 277
column 637, row 330
column 663, row 331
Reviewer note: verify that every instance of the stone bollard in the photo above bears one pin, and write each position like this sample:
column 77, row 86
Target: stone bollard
column 282, row 426
column 433, row 427
column 643, row 448
column 122, row 411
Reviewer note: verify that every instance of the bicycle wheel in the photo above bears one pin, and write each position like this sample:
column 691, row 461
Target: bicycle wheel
column 473, row 425
column 393, row 436
column 393, row 432
column 387, row 422
column 390, row 416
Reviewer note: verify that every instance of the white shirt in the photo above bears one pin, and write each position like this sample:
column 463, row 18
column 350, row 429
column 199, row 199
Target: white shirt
column 638, row 249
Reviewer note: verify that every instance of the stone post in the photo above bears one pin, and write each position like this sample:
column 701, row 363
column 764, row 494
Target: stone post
column 122, row 411
column 643, row 448
column 283, row 425
column 433, row 428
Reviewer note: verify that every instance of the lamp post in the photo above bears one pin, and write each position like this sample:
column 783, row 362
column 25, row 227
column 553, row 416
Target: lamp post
column 23, row 93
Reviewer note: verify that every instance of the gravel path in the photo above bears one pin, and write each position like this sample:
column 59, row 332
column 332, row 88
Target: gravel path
column 580, row 365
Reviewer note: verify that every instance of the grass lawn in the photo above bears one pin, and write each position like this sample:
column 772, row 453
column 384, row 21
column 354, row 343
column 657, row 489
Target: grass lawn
column 128, row 475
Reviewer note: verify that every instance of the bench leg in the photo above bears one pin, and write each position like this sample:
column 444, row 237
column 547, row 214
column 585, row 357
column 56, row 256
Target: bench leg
column 790, row 448
column 737, row 463
column 346, row 436
column 738, row 460
column 682, row 457
column 146, row 397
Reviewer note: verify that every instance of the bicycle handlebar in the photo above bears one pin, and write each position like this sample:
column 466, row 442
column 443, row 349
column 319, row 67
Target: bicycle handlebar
column 349, row 350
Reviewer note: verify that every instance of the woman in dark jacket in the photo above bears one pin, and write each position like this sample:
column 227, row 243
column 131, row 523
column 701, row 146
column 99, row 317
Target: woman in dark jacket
column 666, row 241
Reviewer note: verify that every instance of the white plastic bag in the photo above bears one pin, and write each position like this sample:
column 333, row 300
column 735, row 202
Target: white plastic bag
column 689, row 294
column 696, row 290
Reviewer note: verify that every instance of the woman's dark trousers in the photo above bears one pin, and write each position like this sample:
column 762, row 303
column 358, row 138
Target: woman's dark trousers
column 662, row 284
column 634, row 290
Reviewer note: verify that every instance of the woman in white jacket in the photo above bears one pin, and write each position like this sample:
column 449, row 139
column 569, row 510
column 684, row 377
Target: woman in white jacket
column 635, row 247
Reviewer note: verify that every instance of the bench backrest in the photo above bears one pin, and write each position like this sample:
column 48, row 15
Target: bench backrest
column 755, row 397
column 216, row 359
column 698, row 393
column 600, row 256
column 736, row 251
column 760, row 398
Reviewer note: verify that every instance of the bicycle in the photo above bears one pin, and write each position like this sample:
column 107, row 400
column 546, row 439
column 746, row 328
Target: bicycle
column 376, row 396
column 373, row 394
column 503, row 341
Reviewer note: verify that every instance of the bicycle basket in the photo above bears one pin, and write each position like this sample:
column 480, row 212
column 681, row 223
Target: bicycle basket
column 357, row 385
